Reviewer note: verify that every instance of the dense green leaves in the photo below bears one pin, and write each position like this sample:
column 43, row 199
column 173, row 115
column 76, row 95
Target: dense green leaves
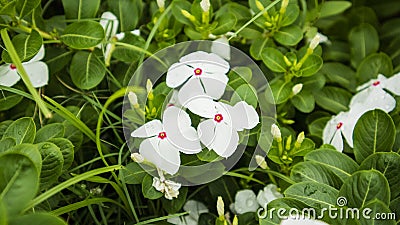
column 377, row 63
column 148, row 190
column 128, row 13
column 83, row 35
column 52, row 164
column 54, row 130
column 87, row 71
column 26, row 46
column 333, row 99
column 273, row 59
column 304, row 101
column 25, row 7
column 364, row 40
column 80, row 9
column 22, row 130
column 330, row 8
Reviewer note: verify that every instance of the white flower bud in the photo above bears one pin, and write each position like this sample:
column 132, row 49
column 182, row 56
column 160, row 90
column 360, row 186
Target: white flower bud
column 132, row 97
column 285, row 3
column 261, row 162
column 220, row 207
column 297, row 88
column 235, row 221
column 300, row 138
column 205, row 5
column 315, row 41
column 136, row 157
column 276, row 132
column 161, row 4
column 149, row 86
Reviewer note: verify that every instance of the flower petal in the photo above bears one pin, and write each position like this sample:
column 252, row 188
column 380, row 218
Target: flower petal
column 373, row 98
column 226, row 140
column 190, row 91
column 149, row 129
column 268, row 194
column 392, row 84
column 243, row 116
column 39, row 56
column 38, row 73
column 221, row 47
column 110, row 24
column 204, row 107
column 8, row 77
column 210, row 62
column 214, row 84
column 180, row 133
column 177, row 74
column 206, row 132
column 301, row 221
column 195, row 208
column 337, row 141
column 245, row 201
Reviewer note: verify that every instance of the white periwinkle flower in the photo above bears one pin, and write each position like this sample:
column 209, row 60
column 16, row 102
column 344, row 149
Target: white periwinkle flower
column 268, row 194
column 200, row 73
column 205, row 5
column 195, row 209
column 37, row 71
column 221, row 47
column 301, row 221
column 168, row 187
column 245, row 201
column 219, row 131
column 373, row 96
column 164, row 140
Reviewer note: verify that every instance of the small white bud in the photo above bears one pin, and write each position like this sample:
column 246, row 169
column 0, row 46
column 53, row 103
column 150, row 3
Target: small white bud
column 235, row 220
column 220, row 207
column 133, row 99
column 276, row 132
column 285, row 3
column 136, row 157
column 161, row 4
column 149, row 86
column 300, row 138
column 261, row 162
column 297, row 88
column 205, row 5
column 315, row 41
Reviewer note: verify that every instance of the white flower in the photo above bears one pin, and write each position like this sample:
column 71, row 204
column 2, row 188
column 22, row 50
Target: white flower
column 276, row 132
column 245, row 201
column 204, row 74
column 372, row 94
column 219, row 131
column 168, row 187
column 221, row 47
column 301, row 221
column 205, row 5
column 297, row 88
column 164, row 140
column 220, row 206
column 323, row 39
column 37, row 71
column 268, row 194
column 342, row 125
column 195, row 209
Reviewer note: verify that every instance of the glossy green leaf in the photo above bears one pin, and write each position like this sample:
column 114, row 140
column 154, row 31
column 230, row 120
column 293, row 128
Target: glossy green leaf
column 330, row 8
column 225, row 24
column 333, row 99
column 8, row 100
column 304, row 101
column 281, row 91
column 6, row 144
column 239, row 76
column 25, row 7
column 86, row 70
column 83, row 35
column 364, row 40
column 340, row 74
column 27, row 46
column 133, row 173
column 53, row 130
column 307, row 146
column 31, row 151
column 291, row 14
column 374, row 132
column 247, row 93
column 128, row 12
column 148, row 190
column 67, row 150
column 126, row 54
column 311, row 66
column 52, row 164
column 374, row 208
column 289, row 36
column 371, row 66
column 258, row 46
column 80, row 9
column 273, row 59
column 22, row 130
column 38, row 219
column 177, row 8
column 174, row 205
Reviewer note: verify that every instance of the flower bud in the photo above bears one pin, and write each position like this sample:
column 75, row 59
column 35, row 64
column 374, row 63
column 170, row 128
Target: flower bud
column 220, row 207
column 136, row 157
column 188, row 15
column 297, row 88
column 161, row 4
column 314, row 42
column 259, row 5
column 133, row 99
column 300, row 139
column 284, row 4
column 205, row 5
column 235, row 221
column 276, row 132
column 261, row 162
column 287, row 61
column 288, row 142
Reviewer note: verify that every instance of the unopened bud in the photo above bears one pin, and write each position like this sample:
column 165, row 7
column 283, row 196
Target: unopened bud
column 161, row 4
column 276, row 132
column 220, row 207
column 133, row 99
column 287, row 61
column 136, row 157
column 284, row 5
column 315, row 41
column 297, row 88
column 259, row 5
column 205, row 5
column 235, row 221
column 261, row 162
column 188, row 15
column 288, row 143
column 300, row 139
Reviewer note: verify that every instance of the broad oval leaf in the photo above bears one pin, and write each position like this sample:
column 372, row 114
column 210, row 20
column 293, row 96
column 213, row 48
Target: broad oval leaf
column 258, row 46
column 25, row 7
column 247, row 93
column 311, row 66
column 225, row 24
column 364, row 40
column 38, row 219
column 374, row 132
column 374, row 208
column 87, row 71
column 174, row 205
column 6, row 144
column 133, row 173
column 67, row 150
column 22, row 130
column 304, row 101
column 291, row 14
column 52, row 164
column 19, row 181
column 80, row 9
column 273, row 59
column 148, row 190
column 31, row 151
column 340, row 74
column 364, row 186
column 289, row 36
column 281, row 91
column 376, row 63
column 330, row 8
column 238, row 76
column 27, row 46
column 49, row 131
column 8, row 100
column 83, row 35
column 333, row 99
column 128, row 12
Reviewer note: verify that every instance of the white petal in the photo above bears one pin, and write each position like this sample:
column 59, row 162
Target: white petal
column 221, row 47
column 332, row 135
column 107, row 51
column 337, row 141
column 195, row 208
column 110, row 24
column 392, row 84
column 211, row 62
column 180, row 132
column 245, row 201
column 136, row 32
column 38, row 73
column 206, row 132
column 226, row 140
column 243, row 116
column 268, row 194
column 350, row 122
column 120, row 36
column 161, row 154
column 149, row 129
column 190, row 91
column 39, row 56
column 373, row 98
column 8, row 77
column 302, row 221
column 214, row 84
column 177, row 74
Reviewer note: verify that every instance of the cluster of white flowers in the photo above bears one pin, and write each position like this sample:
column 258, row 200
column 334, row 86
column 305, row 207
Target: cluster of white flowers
column 199, row 80
column 371, row 95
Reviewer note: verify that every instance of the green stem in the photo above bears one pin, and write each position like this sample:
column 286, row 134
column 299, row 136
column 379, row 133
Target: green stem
column 29, row 30
column 21, row 70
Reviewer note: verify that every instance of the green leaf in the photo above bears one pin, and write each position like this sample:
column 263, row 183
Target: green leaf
column 281, row 91
column 8, row 9
column 80, row 9
column 289, row 36
column 3, row 126
column 177, row 8
column 304, row 101
column 3, row 214
column 38, row 219
column 174, row 205
column 126, row 54
column 314, row 194
column 133, row 173
column 291, row 14
column 67, row 150
column 148, row 190
column 128, row 12
column 258, row 46
column 273, row 59
column 27, row 46
column 374, row 132
column 83, row 35
column 22, row 130
column 364, row 40
column 87, row 71
column 247, row 93
column 307, row 146
column 388, row 163
column 333, row 99
column 6, row 143
column 340, row 74
column 330, row 8
column 371, row 66
column 31, row 151
column 52, row 164
column 225, row 24
column 19, row 181
column 364, row 186
column 317, row 126
column 374, row 208
column 238, row 76
column 311, row 66
column 8, row 100
column 25, row 7
column 208, row 155
column 49, row 131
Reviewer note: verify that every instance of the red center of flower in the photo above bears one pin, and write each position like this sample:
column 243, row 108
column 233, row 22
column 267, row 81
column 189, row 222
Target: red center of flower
column 376, row 83
column 198, row 71
column 339, row 125
column 218, row 118
column 162, row 135
column 13, row 67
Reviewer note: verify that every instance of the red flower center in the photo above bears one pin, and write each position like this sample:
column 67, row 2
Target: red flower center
column 218, row 118
column 13, row 67
column 162, row 135
column 198, row 71
column 339, row 125
column 376, row 83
